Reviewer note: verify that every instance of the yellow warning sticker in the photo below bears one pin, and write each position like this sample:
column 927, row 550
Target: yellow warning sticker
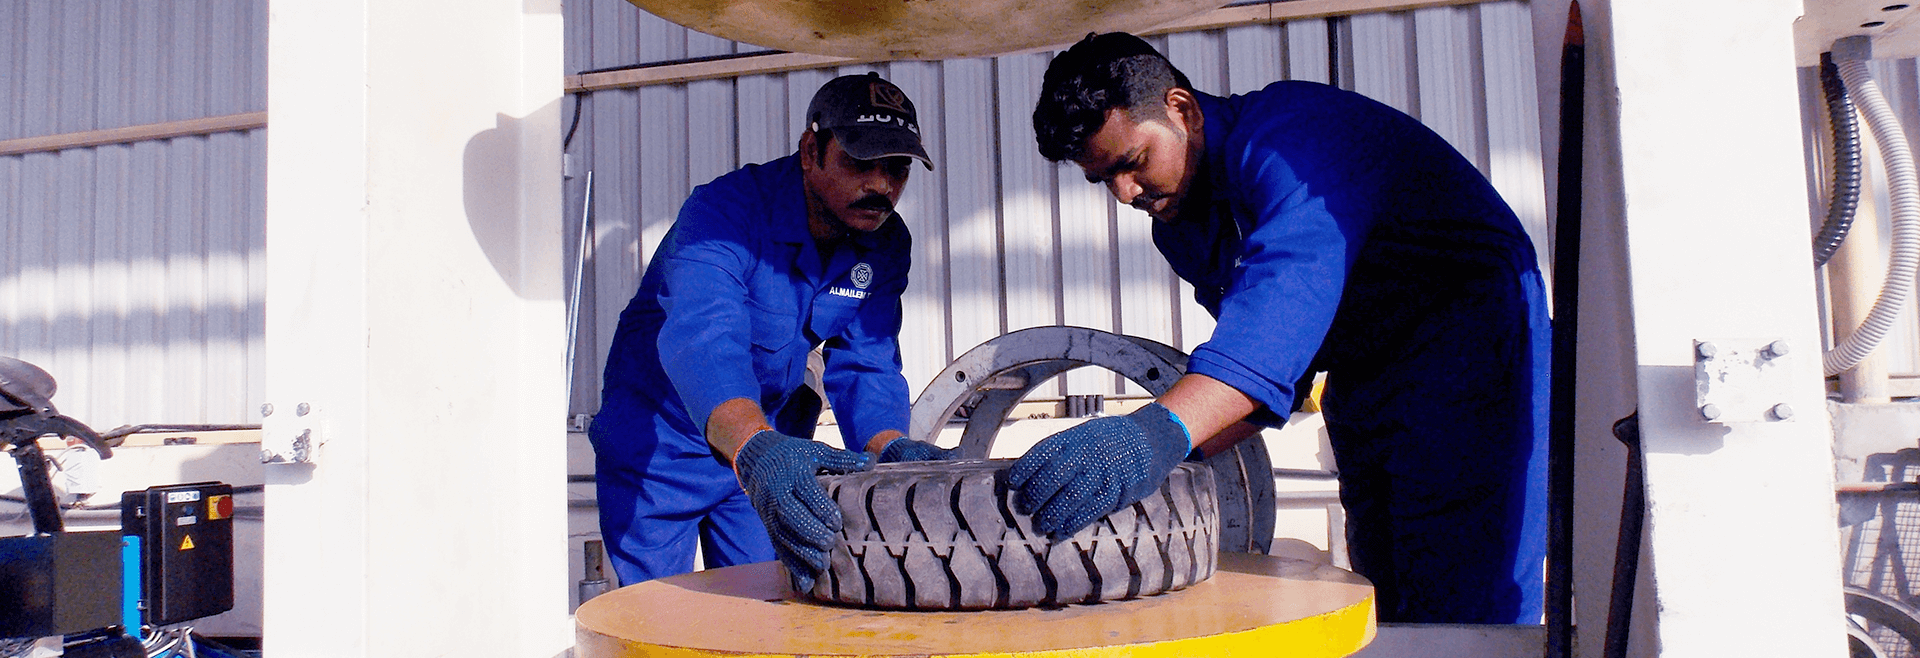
column 186, row 543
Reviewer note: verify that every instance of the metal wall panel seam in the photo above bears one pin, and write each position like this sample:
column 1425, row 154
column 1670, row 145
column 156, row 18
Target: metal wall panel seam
column 1448, row 83
column 661, row 39
column 186, row 280
column 13, row 58
column 762, row 117
column 711, row 131
column 115, row 66
column 926, row 333
column 11, row 192
column 70, row 330
column 663, row 137
column 36, row 265
column 102, row 304
column 74, row 85
column 189, row 98
column 1516, row 162
column 106, row 300
column 1382, row 60
column 256, row 264
column 663, row 158
column 41, row 104
column 226, row 280
column 615, row 29
column 1029, row 225
column 146, row 279
column 1086, row 279
column 1309, row 43
column 801, row 86
column 1255, row 57
column 616, row 237
column 972, row 201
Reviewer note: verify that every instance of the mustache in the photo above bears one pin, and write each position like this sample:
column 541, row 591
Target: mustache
column 872, row 202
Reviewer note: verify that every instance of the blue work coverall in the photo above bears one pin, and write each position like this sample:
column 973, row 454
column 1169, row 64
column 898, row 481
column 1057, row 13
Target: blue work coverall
column 732, row 302
column 1330, row 233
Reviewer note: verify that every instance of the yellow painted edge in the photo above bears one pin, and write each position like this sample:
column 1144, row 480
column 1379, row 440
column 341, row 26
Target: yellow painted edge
column 1331, row 635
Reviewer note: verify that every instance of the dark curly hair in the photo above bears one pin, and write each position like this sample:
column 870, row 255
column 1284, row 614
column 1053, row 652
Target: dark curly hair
column 1101, row 72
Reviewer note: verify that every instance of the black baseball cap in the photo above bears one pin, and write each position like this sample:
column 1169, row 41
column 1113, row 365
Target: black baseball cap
column 871, row 116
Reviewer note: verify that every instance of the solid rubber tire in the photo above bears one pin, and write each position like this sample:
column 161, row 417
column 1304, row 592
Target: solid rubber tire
column 945, row 536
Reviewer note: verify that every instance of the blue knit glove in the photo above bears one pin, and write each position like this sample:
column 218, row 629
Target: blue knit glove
column 1092, row 469
column 777, row 471
column 908, row 450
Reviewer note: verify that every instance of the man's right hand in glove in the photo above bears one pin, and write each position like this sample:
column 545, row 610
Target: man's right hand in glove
column 778, row 472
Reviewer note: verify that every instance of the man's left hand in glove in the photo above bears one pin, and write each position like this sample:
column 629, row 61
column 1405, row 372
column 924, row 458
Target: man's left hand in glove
column 1090, row 470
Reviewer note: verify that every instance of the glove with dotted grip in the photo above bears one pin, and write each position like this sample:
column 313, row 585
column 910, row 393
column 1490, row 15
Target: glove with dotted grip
column 1073, row 478
column 908, row 450
column 778, row 472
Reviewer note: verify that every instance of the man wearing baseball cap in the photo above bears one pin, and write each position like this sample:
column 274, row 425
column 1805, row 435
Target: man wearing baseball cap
column 710, row 358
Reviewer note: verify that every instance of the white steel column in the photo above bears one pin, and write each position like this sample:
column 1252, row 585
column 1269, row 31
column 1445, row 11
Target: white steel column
column 415, row 330
column 1743, row 545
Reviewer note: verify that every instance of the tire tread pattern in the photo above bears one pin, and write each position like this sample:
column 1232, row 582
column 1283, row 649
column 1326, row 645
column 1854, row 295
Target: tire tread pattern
column 944, row 536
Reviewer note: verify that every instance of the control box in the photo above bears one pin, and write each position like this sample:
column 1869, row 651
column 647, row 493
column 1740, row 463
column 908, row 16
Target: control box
column 186, row 534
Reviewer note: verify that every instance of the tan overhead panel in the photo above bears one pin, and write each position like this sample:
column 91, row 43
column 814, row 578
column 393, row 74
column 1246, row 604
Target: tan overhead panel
column 1893, row 26
column 917, row 29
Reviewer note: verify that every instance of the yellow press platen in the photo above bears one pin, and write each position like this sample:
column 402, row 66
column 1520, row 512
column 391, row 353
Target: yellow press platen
column 1253, row 606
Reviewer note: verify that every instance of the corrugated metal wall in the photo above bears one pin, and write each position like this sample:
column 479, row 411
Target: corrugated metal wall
column 1003, row 239
column 132, row 272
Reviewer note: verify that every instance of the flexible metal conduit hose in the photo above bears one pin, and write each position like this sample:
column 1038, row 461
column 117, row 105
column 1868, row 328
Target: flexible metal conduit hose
column 1904, row 191
column 1845, row 197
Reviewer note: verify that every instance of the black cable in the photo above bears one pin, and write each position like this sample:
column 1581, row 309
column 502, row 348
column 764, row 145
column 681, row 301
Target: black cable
column 1846, row 164
column 579, row 98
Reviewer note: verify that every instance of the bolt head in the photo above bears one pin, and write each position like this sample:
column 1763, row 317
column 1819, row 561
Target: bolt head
column 1777, row 349
column 1706, row 350
column 266, row 409
column 302, row 410
column 1781, row 411
column 1709, row 411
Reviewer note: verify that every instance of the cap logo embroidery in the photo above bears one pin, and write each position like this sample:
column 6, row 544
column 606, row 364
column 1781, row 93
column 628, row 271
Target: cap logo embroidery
column 888, row 96
column 862, row 276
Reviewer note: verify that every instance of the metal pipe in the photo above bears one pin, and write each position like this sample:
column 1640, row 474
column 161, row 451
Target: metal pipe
column 579, row 276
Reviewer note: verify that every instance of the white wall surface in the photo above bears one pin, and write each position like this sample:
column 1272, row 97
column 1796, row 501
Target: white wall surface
column 1741, row 520
column 415, row 306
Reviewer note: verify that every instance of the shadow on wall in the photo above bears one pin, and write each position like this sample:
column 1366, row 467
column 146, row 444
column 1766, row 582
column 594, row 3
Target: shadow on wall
column 506, row 192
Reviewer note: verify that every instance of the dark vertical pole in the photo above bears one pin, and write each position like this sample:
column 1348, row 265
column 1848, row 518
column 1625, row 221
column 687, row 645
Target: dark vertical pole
column 1626, row 554
column 36, row 483
column 1566, row 319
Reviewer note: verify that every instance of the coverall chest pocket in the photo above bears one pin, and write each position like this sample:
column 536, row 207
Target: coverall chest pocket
column 831, row 314
column 773, row 333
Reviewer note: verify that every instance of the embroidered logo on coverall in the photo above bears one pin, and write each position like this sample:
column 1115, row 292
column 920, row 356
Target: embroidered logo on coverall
column 862, row 276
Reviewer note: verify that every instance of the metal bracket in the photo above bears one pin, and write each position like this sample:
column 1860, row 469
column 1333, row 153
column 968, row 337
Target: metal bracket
column 1742, row 380
column 289, row 437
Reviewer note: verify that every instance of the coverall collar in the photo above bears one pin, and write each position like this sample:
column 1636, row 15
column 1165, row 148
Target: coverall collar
column 1217, row 115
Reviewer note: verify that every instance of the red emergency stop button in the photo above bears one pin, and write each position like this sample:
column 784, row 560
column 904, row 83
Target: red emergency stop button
column 219, row 507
